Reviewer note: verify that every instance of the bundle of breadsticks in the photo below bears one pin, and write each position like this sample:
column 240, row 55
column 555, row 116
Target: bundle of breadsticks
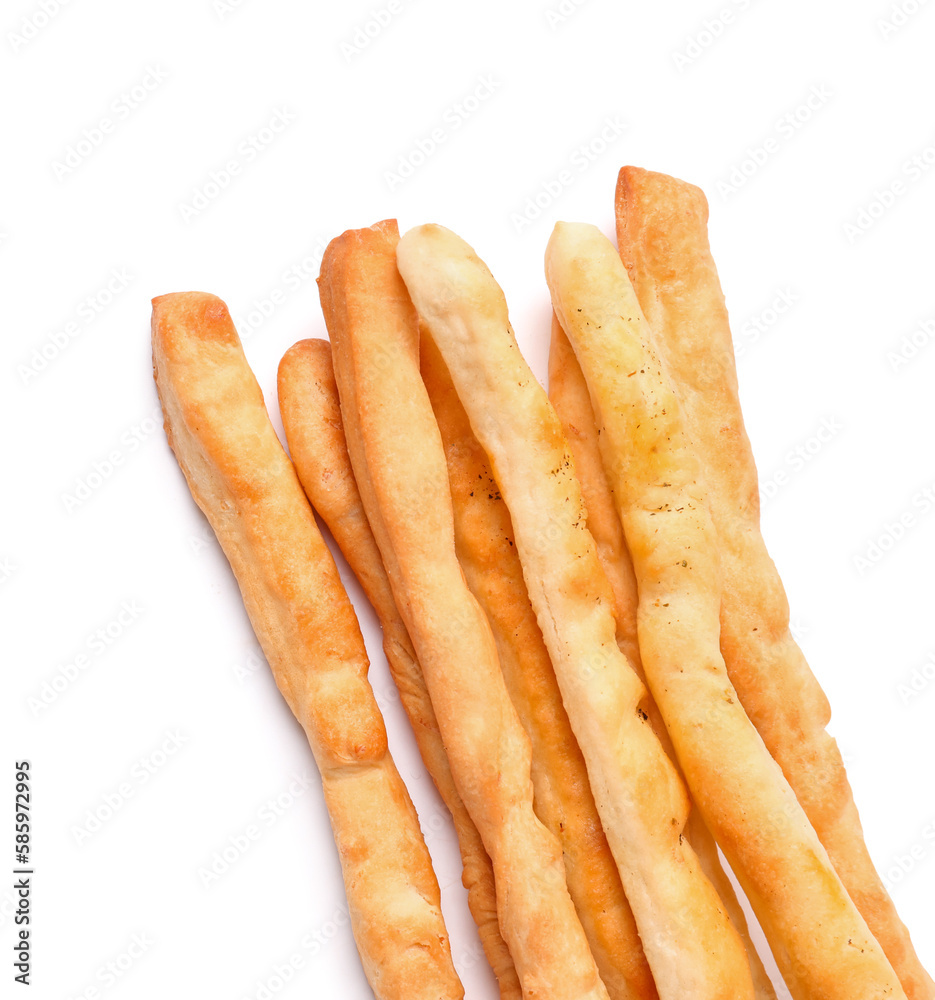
column 589, row 638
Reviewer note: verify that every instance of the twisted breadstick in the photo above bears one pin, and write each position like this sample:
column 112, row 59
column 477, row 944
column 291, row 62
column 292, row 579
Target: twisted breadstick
column 691, row 946
column 563, row 799
column 568, row 393
column 311, row 417
column 662, row 234
column 820, row 941
column 239, row 475
column 389, row 424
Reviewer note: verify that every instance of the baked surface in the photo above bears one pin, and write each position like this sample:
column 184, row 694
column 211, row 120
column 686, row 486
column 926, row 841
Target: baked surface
column 821, row 943
column 568, row 393
column 691, row 946
column 311, row 417
column 563, row 799
column 663, row 241
column 390, row 428
column 239, row 475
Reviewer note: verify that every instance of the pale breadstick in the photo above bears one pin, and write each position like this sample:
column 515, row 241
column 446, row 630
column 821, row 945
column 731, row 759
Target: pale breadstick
column 311, row 417
column 388, row 421
column 662, row 235
column 819, row 939
column 563, row 799
column 239, row 475
column 691, row 946
column 568, row 393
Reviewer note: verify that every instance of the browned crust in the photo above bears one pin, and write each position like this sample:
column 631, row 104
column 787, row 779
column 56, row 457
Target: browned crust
column 563, row 799
column 239, row 475
column 568, row 392
column 820, row 941
column 311, row 416
column 663, row 240
column 691, row 946
column 389, row 423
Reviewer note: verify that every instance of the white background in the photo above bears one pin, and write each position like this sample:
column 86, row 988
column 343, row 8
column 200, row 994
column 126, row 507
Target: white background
column 186, row 664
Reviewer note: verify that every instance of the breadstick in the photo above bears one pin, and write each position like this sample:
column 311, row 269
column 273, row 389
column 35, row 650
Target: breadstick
column 388, row 420
column 568, row 393
column 562, row 795
column 820, row 941
column 662, row 234
column 691, row 947
column 311, row 417
column 239, row 475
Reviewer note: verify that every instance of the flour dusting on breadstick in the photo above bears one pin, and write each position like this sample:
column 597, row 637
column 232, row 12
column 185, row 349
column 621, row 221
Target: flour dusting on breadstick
column 568, row 393
column 820, row 941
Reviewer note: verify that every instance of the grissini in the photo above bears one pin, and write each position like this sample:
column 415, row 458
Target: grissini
column 239, row 475
column 562, row 794
column 388, row 421
column 820, row 941
column 663, row 241
column 689, row 942
column 311, row 417
column 568, row 393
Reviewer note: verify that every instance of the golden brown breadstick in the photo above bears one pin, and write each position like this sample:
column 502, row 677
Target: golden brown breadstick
column 562, row 799
column 388, row 420
column 691, row 946
column 569, row 394
column 239, row 475
column 820, row 941
column 663, row 240
column 311, row 417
